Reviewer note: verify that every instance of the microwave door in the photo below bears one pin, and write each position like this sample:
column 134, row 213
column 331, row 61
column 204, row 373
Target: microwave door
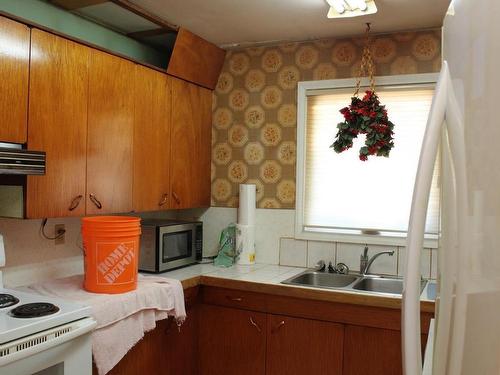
column 176, row 246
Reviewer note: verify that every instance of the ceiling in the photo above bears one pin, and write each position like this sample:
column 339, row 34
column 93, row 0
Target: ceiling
column 230, row 23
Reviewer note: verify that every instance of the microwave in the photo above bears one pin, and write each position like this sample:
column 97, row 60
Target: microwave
column 169, row 244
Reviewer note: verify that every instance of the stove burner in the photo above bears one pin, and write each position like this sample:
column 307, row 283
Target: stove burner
column 7, row 300
column 34, row 310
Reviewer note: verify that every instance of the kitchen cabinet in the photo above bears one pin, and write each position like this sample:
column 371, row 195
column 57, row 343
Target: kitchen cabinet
column 308, row 335
column 196, row 60
column 301, row 346
column 112, row 141
column 232, row 341
column 372, row 351
column 58, row 125
column 166, row 350
column 190, row 145
column 182, row 344
column 14, row 72
column 110, row 134
column 241, row 331
column 151, row 186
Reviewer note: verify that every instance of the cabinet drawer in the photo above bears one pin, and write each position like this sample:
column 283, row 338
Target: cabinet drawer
column 234, row 298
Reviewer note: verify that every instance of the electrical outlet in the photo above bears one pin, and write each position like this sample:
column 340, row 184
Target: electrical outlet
column 58, row 228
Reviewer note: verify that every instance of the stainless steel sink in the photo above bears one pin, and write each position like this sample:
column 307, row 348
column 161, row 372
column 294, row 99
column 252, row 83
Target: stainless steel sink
column 321, row 279
column 383, row 285
column 351, row 282
column 379, row 285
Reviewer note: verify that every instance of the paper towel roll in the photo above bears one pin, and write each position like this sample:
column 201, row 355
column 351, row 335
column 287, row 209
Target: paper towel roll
column 245, row 244
column 246, row 211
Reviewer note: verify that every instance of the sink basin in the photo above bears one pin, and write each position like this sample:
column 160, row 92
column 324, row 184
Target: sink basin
column 382, row 285
column 321, row 279
column 353, row 282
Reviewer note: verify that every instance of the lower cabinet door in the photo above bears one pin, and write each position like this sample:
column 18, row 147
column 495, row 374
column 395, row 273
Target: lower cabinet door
column 178, row 353
column 166, row 350
column 372, row 351
column 231, row 341
column 303, row 346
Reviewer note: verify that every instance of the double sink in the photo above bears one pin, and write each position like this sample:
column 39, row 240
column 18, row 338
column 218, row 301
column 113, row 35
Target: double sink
column 350, row 282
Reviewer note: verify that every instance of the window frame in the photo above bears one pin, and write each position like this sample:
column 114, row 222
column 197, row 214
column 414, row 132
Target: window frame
column 302, row 89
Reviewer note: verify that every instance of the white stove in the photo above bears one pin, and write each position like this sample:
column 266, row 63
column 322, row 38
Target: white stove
column 12, row 327
column 43, row 333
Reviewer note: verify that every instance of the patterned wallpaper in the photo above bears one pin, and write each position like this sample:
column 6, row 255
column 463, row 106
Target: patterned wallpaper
column 255, row 105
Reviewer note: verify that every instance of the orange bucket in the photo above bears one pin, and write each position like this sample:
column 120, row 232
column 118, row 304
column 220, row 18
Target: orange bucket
column 111, row 253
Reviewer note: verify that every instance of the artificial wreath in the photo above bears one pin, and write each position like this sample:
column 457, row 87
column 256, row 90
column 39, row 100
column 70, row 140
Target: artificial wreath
column 365, row 116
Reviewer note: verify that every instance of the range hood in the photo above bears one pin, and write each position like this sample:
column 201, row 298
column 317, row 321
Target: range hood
column 15, row 160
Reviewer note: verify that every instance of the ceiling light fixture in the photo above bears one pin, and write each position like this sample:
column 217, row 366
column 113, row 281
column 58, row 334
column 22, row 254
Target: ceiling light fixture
column 350, row 8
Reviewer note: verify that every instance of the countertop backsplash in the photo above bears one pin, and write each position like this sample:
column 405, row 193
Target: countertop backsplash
column 31, row 258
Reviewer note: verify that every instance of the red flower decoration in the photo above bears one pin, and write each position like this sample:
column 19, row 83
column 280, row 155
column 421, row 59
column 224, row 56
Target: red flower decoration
column 365, row 116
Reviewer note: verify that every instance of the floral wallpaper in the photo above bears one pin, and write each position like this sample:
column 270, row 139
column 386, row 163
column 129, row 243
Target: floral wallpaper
column 255, row 105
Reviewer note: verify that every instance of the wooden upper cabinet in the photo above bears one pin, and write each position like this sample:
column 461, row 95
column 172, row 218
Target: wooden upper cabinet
column 110, row 134
column 190, row 145
column 303, row 346
column 58, row 125
column 151, row 140
column 14, row 72
column 204, row 150
column 196, row 60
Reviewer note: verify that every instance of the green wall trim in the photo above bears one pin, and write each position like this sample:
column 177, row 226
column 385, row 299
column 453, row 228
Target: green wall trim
column 66, row 23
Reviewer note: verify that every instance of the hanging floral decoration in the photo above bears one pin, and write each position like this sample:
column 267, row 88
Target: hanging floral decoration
column 365, row 116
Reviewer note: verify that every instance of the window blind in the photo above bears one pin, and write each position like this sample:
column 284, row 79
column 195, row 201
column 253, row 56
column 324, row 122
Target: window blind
column 346, row 194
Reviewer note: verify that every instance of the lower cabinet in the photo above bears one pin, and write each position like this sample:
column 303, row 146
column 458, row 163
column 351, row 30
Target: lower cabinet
column 235, row 341
column 232, row 341
column 298, row 346
column 166, row 350
column 224, row 335
column 372, row 351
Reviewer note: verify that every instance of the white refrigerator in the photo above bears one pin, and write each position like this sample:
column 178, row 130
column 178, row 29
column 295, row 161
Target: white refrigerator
column 465, row 123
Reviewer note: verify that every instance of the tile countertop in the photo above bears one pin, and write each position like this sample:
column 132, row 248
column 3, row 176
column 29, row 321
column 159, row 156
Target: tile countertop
column 266, row 278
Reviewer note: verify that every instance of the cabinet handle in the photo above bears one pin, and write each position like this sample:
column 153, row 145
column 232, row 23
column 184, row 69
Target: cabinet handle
column 95, row 200
column 176, row 197
column 75, row 202
column 277, row 328
column 255, row 325
column 163, row 200
column 234, row 299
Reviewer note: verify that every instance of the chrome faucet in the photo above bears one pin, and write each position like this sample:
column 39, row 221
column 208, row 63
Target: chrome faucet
column 365, row 262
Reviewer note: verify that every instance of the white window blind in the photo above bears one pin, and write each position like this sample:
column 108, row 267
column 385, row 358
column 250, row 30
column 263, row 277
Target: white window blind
column 344, row 194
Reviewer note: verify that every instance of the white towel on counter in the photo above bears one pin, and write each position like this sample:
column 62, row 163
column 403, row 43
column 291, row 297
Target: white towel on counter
column 122, row 319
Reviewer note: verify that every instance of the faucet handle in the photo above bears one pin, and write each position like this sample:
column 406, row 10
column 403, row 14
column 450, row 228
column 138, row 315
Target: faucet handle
column 320, row 266
column 342, row 268
column 331, row 268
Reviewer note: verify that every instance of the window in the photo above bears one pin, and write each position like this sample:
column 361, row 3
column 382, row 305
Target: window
column 342, row 198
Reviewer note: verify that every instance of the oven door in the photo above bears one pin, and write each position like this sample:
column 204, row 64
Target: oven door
column 176, row 245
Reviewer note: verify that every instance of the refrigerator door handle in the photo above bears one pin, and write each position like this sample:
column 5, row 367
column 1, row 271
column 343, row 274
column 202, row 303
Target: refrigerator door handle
column 410, row 330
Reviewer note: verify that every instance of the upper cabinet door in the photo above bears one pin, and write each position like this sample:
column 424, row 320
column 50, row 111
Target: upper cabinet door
column 58, row 125
column 110, row 134
column 14, row 71
column 204, row 150
column 151, row 140
column 190, row 145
